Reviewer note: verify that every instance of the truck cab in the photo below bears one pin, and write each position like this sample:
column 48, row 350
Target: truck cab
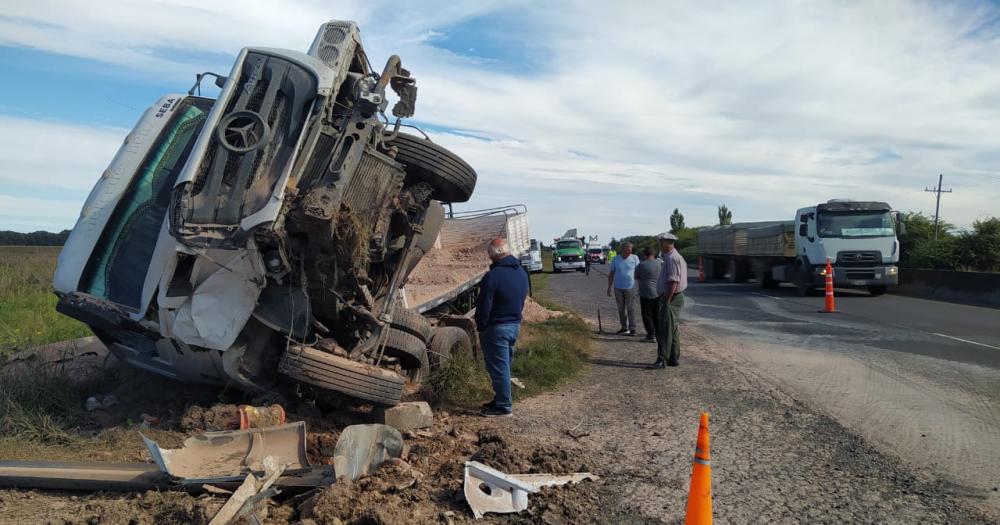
column 532, row 259
column 858, row 237
column 568, row 254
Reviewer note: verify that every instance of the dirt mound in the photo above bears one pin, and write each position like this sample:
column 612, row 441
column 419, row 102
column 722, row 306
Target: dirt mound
column 536, row 313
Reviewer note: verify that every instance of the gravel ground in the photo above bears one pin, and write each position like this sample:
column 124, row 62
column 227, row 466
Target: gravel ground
column 775, row 460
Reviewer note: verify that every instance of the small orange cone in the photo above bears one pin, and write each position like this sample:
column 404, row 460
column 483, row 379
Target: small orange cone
column 699, row 507
column 829, row 307
column 701, row 271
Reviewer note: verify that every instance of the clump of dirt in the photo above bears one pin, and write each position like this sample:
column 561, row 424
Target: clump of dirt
column 545, row 459
column 536, row 313
column 217, row 417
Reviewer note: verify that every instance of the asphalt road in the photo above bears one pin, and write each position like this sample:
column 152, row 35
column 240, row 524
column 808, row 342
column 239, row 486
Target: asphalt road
column 918, row 379
column 955, row 332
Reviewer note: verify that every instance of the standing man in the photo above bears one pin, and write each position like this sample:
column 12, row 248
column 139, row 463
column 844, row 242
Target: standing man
column 645, row 276
column 670, row 286
column 622, row 279
column 498, row 319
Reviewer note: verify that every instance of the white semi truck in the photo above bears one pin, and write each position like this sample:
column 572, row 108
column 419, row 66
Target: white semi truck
column 858, row 237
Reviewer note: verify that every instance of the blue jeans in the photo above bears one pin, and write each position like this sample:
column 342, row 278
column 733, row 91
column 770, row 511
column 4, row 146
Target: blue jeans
column 498, row 343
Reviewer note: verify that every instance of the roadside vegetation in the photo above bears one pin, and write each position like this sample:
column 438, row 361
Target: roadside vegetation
column 548, row 355
column 977, row 249
column 28, row 314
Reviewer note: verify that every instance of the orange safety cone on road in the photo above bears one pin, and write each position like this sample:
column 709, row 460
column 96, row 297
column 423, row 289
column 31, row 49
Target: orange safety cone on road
column 701, row 271
column 829, row 307
column 699, row 507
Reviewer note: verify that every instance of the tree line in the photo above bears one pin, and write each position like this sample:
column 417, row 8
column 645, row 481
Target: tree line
column 39, row 238
column 976, row 249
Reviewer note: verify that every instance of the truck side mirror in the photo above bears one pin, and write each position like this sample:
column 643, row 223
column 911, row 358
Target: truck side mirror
column 803, row 230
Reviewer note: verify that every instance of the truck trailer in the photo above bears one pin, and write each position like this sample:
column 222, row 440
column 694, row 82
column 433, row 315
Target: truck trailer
column 858, row 237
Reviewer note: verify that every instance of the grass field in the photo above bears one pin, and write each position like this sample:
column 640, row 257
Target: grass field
column 28, row 315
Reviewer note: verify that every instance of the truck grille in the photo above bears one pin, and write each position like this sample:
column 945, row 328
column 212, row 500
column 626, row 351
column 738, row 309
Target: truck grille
column 571, row 258
column 859, row 258
column 229, row 184
column 857, row 275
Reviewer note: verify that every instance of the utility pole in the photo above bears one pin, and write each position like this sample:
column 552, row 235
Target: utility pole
column 937, row 207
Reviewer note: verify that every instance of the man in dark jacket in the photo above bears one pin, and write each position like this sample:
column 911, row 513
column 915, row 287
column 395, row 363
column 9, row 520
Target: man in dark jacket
column 498, row 319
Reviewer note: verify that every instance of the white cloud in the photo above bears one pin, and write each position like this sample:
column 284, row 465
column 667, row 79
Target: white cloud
column 766, row 107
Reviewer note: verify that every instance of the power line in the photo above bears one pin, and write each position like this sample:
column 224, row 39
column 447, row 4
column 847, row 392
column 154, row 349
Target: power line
column 937, row 207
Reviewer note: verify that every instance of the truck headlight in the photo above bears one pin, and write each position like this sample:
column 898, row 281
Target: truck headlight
column 892, row 270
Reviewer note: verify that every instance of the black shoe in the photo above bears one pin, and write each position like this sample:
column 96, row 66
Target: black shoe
column 658, row 365
column 491, row 404
column 673, row 363
column 622, row 331
column 650, row 339
column 631, row 333
column 495, row 411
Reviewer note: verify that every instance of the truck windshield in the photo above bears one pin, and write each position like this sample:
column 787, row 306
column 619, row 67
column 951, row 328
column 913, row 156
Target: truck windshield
column 855, row 224
column 597, row 251
column 567, row 245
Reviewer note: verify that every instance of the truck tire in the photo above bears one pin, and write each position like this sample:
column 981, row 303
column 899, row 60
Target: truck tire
column 876, row 290
column 447, row 342
column 330, row 372
column 765, row 280
column 452, row 178
column 408, row 348
column 411, row 322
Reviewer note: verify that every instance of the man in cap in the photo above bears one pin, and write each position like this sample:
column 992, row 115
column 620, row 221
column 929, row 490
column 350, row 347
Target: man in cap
column 502, row 292
column 670, row 286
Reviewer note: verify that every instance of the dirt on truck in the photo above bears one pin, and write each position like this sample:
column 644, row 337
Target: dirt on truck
column 263, row 237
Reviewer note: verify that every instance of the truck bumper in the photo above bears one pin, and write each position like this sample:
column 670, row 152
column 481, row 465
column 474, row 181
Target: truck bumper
column 532, row 267
column 574, row 265
column 887, row 275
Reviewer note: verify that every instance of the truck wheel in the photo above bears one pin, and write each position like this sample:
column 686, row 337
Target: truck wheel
column 339, row 374
column 408, row 348
column 446, row 342
column 764, row 279
column 452, row 178
column 876, row 289
column 805, row 290
column 411, row 322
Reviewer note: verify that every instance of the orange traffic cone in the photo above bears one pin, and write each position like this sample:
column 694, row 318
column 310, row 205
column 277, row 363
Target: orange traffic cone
column 699, row 508
column 701, row 271
column 829, row 307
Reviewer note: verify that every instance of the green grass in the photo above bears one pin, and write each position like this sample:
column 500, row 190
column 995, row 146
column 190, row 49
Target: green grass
column 28, row 315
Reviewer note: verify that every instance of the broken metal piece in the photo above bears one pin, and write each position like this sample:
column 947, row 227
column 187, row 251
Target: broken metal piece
column 229, row 456
column 360, row 449
column 249, row 494
column 489, row 490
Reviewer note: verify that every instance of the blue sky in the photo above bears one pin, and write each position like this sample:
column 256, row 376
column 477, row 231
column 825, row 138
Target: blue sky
column 596, row 115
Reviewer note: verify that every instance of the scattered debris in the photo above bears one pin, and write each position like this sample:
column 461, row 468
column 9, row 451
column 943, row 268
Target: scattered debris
column 489, row 490
column 231, row 455
column 101, row 402
column 405, row 416
column 362, row 448
column 251, row 493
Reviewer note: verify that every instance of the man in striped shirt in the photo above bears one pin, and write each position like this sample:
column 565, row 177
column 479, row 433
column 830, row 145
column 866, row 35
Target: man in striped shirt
column 670, row 286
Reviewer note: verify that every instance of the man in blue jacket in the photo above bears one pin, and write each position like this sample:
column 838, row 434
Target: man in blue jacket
column 498, row 319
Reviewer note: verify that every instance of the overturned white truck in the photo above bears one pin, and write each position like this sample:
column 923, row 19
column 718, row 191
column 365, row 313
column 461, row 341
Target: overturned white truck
column 265, row 237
